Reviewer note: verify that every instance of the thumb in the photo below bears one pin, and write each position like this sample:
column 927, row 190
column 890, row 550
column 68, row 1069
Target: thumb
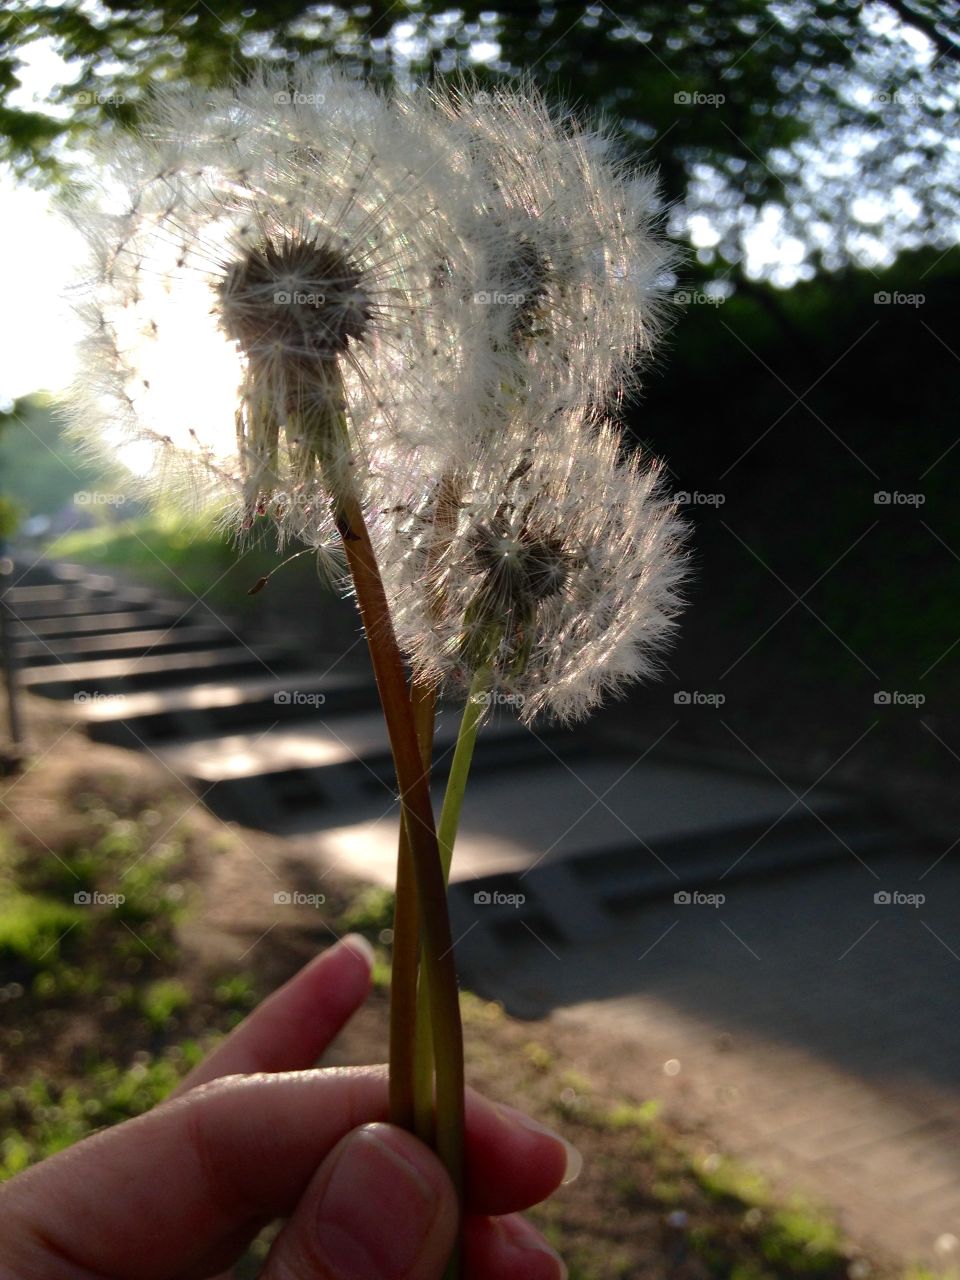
column 380, row 1207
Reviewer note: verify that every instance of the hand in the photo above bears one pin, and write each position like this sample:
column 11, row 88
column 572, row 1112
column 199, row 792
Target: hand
column 252, row 1135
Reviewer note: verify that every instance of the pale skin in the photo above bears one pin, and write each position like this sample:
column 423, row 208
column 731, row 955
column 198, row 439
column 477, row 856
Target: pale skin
column 253, row 1134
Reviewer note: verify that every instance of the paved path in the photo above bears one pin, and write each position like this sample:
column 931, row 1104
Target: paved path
column 717, row 927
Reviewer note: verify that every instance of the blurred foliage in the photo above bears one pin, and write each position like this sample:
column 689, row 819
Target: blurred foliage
column 37, row 466
column 11, row 513
column 799, row 406
column 783, row 71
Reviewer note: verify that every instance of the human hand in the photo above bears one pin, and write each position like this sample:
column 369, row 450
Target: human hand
column 251, row 1135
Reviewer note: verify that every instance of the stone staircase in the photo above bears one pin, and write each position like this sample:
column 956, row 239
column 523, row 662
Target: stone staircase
column 703, row 915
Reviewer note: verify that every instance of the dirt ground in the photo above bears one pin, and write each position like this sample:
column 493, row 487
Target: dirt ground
column 656, row 1197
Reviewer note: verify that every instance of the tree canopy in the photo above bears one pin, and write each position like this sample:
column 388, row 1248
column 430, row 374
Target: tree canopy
column 830, row 124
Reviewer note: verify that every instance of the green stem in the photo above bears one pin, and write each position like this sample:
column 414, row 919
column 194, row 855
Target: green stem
column 460, row 766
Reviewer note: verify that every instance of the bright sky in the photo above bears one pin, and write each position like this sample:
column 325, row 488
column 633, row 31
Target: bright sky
column 37, row 327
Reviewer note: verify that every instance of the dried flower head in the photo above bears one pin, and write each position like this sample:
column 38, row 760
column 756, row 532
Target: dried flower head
column 558, row 574
column 558, row 292
column 254, row 312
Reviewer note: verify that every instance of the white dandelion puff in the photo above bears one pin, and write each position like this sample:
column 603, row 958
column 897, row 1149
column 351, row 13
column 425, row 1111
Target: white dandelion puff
column 558, row 571
column 255, row 306
column 569, row 267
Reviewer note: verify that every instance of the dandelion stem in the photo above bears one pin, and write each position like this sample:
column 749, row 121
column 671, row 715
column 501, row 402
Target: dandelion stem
column 406, row 953
column 460, row 766
column 446, row 838
column 436, row 942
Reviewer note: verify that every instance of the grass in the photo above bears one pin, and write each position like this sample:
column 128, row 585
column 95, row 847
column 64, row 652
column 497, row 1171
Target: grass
column 172, row 554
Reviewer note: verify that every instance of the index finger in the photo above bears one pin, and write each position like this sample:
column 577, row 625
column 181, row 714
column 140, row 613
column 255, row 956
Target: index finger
column 294, row 1025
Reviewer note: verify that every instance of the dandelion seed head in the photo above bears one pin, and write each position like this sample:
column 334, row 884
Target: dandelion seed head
column 561, row 572
column 297, row 299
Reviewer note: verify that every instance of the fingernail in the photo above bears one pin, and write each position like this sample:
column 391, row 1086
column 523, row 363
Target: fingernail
column 523, row 1236
column 574, row 1158
column 377, row 1209
column 357, row 943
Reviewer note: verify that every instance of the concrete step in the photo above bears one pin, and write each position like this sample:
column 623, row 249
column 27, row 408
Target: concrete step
column 41, row 573
column 81, row 603
column 69, row 628
column 298, row 778
column 50, row 593
column 157, row 641
column 632, row 826
column 590, row 896
column 212, row 707
column 154, row 671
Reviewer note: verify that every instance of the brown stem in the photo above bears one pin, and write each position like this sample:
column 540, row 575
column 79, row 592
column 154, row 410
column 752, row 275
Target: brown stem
column 436, row 941
column 406, row 947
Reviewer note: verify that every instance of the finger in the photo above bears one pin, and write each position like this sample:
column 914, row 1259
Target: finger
column 513, row 1161
column 293, row 1026
column 380, row 1207
column 508, row 1248
column 181, row 1185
